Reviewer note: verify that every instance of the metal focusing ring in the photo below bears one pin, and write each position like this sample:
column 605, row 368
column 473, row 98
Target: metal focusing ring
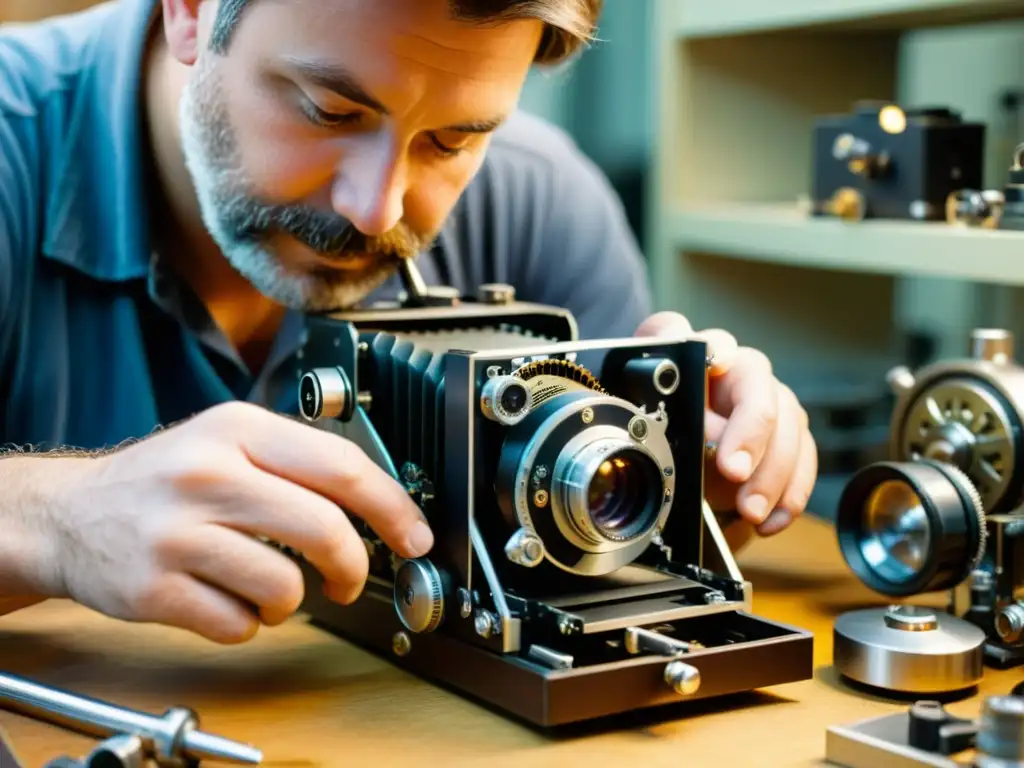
column 960, row 422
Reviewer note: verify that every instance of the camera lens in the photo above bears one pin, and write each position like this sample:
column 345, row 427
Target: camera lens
column 513, row 399
column 614, row 491
column 909, row 528
column 619, row 492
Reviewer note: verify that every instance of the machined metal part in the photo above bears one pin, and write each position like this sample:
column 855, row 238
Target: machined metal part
column 577, row 462
column 326, row 393
column 550, row 658
column 908, row 649
column 1001, row 733
column 927, row 735
column 506, row 400
column 419, row 595
column 966, row 413
column 172, row 740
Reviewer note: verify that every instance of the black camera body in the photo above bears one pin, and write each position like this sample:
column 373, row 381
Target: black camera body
column 883, row 162
column 577, row 571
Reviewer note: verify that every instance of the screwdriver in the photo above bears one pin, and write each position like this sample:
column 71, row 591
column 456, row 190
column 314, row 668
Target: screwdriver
column 172, row 738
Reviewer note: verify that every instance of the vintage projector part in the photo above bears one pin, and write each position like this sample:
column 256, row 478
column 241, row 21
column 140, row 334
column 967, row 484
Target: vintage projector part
column 928, row 735
column 885, row 162
column 909, row 649
column 992, row 208
column 945, row 512
column 908, row 528
column 132, row 738
column 577, row 570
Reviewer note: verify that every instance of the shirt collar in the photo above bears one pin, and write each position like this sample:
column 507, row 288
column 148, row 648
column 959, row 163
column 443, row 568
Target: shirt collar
column 96, row 212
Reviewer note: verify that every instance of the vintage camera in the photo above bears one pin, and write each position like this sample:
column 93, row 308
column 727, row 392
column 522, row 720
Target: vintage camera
column 992, row 208
column 884, row 162
column 945, row 514
column 577, row 572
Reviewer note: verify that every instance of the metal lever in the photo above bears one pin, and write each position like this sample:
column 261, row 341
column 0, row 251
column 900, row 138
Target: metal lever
column 172, row 740
column 640, row 640
column 419, row 294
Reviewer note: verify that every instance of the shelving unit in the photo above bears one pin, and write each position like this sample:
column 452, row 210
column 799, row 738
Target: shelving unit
column 699, row 18
column 740, row 84
column 785, row 235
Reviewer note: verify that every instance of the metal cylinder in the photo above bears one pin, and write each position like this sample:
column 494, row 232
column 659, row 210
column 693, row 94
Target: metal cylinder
column 173, row 736
column 994, row 345
column 1000, row 742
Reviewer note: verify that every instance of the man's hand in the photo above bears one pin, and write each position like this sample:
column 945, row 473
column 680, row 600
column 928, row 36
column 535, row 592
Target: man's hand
column 166, row 530
column 766, row 461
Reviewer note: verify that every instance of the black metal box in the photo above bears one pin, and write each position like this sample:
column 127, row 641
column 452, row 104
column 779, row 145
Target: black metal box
column 884, row 162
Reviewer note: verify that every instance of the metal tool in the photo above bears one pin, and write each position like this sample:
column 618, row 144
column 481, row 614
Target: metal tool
column 172, row 741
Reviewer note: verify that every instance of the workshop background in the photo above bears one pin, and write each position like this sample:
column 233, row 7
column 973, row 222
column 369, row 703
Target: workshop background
column 701, row 113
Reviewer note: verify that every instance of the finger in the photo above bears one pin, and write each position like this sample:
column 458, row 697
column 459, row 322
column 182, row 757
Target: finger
column 798, row 492
column 337, row 469
column 179, row 600
column 248, row 569
column 746, row 396
column 722, row 348
column 758, row 497
column 307, row 523
column 670, row 324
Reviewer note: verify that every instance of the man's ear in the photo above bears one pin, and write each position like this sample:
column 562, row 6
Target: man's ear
column 181, row 28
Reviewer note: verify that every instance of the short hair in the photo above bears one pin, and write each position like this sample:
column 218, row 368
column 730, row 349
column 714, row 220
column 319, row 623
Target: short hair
column 569, row 25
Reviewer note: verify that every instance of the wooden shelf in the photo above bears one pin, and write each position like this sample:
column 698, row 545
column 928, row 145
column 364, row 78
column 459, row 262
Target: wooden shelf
column 785, row 235
column 723, row 18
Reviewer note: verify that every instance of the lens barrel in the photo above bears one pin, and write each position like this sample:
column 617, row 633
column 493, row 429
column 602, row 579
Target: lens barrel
column 909, row 528
column 612, row 489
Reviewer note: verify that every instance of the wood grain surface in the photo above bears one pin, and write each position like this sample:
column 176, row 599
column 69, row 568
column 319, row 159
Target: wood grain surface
column 308, row 699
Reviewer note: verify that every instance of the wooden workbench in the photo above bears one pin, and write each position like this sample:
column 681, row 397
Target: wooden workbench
column 307, row 699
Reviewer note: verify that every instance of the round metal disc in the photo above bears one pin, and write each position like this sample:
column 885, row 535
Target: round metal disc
column 908, row 649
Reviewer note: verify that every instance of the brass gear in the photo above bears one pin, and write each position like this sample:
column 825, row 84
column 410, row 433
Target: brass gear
column 562, row 369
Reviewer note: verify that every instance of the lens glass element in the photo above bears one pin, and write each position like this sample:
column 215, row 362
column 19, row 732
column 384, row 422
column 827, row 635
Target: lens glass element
column 620, row 493
column 513, row 398
column 897, row 537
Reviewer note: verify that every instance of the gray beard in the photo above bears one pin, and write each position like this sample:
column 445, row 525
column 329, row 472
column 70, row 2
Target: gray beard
column 238, row 221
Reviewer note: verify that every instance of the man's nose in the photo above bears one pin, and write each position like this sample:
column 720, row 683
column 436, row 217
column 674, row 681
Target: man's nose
column 370, row 184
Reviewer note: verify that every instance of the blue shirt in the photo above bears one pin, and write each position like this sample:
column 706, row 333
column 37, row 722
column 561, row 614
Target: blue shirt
column 98, row 343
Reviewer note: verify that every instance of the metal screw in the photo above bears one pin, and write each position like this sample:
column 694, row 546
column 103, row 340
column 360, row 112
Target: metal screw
column 638, row 428
column 483, row 623
column 587, row 415
column 540, row 498
column 565, row 625
column 401, row 644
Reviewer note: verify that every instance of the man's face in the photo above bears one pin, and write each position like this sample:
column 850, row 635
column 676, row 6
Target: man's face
column 334, row 137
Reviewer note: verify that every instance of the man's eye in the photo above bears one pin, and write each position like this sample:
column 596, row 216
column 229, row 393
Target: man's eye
column 445, row 149
column 328, row 119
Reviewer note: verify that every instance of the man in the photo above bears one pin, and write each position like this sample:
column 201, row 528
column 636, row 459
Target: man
column 179, row 181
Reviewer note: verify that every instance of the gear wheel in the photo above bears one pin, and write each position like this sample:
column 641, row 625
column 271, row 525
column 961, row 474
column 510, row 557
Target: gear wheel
column 961, row 479
column 561, row 368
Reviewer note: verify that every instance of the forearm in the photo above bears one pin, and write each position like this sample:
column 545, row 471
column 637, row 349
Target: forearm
column 33, row 496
